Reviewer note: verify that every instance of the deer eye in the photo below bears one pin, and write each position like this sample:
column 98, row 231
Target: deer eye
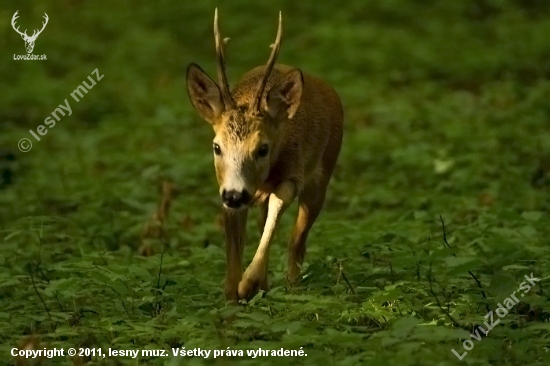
column 217, row 149
column 263, row 150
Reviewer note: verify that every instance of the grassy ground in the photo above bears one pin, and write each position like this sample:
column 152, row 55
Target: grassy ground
column 447, row 108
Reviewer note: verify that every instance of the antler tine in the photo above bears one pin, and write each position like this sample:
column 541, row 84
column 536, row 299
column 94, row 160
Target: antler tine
column 220, row 64
column 43, row 24
column 270, row 63
column 13, row 19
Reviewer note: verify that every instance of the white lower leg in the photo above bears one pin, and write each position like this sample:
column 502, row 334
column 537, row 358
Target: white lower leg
column 279, row 200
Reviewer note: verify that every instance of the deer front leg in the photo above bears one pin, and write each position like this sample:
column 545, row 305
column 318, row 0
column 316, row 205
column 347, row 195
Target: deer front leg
column 255, row 276
column 234, row 223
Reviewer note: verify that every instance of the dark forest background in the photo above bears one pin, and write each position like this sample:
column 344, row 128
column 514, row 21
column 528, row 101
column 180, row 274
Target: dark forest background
column 447, row 106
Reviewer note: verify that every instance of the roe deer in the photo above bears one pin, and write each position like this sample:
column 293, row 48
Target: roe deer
column 277, row 136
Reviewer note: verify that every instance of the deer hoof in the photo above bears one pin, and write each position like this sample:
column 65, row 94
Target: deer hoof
column 248, row 288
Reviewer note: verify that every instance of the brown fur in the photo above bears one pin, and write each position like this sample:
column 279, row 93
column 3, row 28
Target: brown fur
column 304, row 147
column 313, row 134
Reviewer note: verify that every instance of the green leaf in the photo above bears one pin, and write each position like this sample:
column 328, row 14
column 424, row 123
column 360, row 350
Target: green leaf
column 532, row 215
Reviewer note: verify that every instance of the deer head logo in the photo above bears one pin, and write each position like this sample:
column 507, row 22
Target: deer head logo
column 29, row 40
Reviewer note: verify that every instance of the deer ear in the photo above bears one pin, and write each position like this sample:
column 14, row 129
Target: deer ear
column 204, row 94
column 283, row 99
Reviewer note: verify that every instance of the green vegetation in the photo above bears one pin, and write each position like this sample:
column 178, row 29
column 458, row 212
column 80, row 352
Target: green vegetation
column 447, row 107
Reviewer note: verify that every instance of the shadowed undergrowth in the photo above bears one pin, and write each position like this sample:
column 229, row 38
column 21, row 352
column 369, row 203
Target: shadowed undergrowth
column 447, row 109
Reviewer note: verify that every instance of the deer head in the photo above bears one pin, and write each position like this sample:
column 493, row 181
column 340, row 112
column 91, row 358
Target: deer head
column 29, row 40
column 248, row 130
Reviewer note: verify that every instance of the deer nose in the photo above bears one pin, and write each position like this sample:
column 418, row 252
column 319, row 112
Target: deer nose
column 235, row 199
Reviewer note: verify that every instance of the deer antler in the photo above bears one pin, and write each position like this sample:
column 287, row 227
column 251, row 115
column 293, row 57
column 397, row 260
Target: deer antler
column 37, row 33
column 220, row 62
column 257, row 100
column 13, row 19
column 24, row 34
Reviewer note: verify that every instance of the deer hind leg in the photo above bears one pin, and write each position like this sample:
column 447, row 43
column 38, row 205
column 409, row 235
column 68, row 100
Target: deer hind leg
column 310, row 204
column 235, row 236
column 255, row 276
